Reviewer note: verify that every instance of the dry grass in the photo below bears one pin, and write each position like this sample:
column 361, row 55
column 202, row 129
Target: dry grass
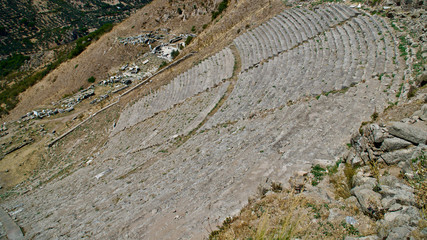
column 342, row 182
column 419, row 182
column 277, row 216
column 287, row 216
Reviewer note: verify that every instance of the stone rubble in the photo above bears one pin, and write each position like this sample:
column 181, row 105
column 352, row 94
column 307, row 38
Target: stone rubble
column 387, row 198
column 143, row 39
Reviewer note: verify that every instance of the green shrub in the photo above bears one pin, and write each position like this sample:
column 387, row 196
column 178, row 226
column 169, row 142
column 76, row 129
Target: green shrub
column 412, row 91
column 221, row 7
column 85, row 41
column 374, row 116
column 163, row 64
column 188, row 40
column 175, row 54
column 400, row 90
column 193, row 29
column 91, row 79
column 334, row 168
column 12, row 63
column 3, row 31
column 318, row 173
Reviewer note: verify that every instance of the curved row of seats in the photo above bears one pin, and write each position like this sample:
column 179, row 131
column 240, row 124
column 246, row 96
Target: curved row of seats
column 287, row 30
column 199, row 78
column 333, row 60
column 179, row 120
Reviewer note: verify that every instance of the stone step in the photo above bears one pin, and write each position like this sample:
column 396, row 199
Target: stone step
column 295, row 28
column 272, row 37
column 286, row 42
column 310, row 21
column 280, row 39
column 262, row 43
column 197, row 79
column 306, row 30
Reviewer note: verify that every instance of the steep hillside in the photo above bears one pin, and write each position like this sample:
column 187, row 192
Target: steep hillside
column 263, row 90
column 108, row 54
column 30, row 26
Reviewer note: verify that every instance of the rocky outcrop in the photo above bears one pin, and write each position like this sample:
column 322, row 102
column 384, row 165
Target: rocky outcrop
column 387, row 198
column 409, row 132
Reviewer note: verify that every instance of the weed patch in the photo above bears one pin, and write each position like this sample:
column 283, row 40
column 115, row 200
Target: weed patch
column 318, row 173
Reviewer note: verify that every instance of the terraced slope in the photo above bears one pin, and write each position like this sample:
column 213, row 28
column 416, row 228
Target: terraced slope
column 203, row 76
column 344, row 53
column 182, row 159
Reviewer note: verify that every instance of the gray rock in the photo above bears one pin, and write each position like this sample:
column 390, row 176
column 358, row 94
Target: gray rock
column 419, row 151
column 408, row 132
column 395, row 219
column 413, row 213
column 365, row 157
column 369, row 200
column 394, row 182
column 360, row 180
column 417, row 113
column 389, row 180
column 349, row 155
column 423, row 115
column 371, row 237
column 395, row 207
column 397, row 156
column 350, row 220
column 399, row 233
column 377, row 134
column 356, row 161
column 352, row 201
column 335, row 214
column 391, row 144
column 399, row 195
column 69, row 109
column 389, row 3
column 408, row 216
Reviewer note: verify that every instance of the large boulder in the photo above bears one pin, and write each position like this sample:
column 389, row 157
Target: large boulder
column 369, row 200
column 391, row 144
column 423, row 114
column 397, row 156
column 399, row 233
column 408, row 132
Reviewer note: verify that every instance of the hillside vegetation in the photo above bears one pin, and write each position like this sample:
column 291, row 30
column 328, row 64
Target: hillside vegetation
column 30, row 26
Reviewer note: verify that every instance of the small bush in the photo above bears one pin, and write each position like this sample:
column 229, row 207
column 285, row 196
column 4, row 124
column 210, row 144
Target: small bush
column 91, row 79
column 412, row 91
column 400, row 91
column 12, row 63
column 349, row 173
column 193, row 29
column 334, row 168
column 179, row 11
column 318, row 173
column 188, row 40
column 175, row 54
column 221, row 7
column 376, row 188
column 163, row 64
column 374, row 116
column 85, row 41
column 276, row 187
